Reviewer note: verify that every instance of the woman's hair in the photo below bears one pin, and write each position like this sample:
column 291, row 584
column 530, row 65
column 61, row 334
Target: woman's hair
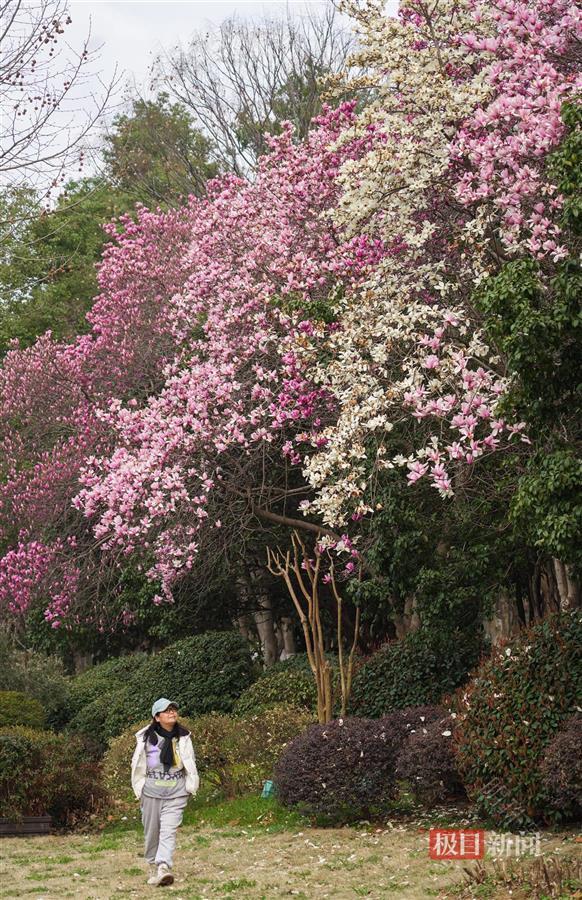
column 150, row 731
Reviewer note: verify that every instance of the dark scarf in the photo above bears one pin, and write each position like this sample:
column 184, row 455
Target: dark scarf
column 167, row 753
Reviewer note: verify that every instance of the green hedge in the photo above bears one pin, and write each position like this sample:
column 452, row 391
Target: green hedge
column 39, row 676
column 510, row 712
column 108, row 677
column 417, row 670
column 235, row 755
column 18, row 709
column 42, row 773
column 295, row 687
column 202, row 674
column 102, row 719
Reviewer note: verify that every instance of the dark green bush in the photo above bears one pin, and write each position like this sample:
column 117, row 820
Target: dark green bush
column 103, row 718
column 341, row 772
column 561, row 770
column 107, row 677
column 299, row 662
column 202, row 674
column 419, row 669
column 295, row 687
column 18, row 709
column 39, row 676
column 42, row 773
column 509, row 713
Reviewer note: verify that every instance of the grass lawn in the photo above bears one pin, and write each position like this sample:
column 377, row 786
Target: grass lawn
column 251, row 848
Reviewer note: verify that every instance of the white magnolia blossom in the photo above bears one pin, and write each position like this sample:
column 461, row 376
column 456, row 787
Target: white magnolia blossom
column 377, row 359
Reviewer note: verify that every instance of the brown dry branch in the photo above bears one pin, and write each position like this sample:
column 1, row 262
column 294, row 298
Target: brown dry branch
column 302, row 573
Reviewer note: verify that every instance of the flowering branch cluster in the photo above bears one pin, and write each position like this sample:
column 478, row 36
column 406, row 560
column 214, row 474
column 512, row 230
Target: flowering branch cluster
column 467, row 108
column 234, row 385
column 320, row 316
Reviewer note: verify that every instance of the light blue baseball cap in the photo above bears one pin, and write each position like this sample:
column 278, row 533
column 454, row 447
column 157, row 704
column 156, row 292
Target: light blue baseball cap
column 161, row 705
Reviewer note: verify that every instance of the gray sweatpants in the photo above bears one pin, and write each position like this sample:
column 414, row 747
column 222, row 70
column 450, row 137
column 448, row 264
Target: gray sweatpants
column 161, row 818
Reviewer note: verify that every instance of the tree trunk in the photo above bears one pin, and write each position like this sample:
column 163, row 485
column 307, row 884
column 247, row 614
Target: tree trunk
column 504, row 622
column 568, row 589
column 266, row 628
column 82, row 662
column 245, row 627
column 408, row 620
column 288, row 637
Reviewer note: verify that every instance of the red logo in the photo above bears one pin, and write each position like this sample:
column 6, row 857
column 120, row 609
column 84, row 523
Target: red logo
column 456, row 843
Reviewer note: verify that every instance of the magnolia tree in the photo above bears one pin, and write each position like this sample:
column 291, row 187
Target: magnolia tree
column 318, row 318
column 218, row 438
column 466, row 110
column 50, row 395
column 178, row 410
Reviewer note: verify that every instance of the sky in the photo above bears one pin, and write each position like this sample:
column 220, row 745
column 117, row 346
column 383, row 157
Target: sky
column 125, row 37
column 132, row 32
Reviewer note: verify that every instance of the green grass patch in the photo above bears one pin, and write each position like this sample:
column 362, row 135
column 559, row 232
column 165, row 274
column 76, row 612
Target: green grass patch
column 237, row 884
column 247, row 811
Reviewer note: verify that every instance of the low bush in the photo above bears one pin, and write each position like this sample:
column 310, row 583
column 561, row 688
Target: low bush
column 402, row 723
column 419, row 669
column 39, row 676
column 561, row 770
column 235, row 755
column 108, row 677
column 18, row 709
column 294, row 687
column 202, row 674
column 508, row 714
column 427, row 762
column 341, row 772
column 103, row 719
column 42, row 773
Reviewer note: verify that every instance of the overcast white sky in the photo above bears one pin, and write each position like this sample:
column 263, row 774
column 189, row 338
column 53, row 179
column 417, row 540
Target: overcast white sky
column 132, row 32
column 129, row 35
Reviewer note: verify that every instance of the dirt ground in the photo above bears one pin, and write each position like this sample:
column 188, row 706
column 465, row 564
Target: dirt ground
column 241, row 863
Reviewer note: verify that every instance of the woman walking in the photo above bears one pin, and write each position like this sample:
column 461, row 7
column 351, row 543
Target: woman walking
column 163, row 775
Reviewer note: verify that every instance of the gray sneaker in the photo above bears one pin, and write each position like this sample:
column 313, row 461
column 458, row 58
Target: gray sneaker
column 153, row 870
column 164, row 876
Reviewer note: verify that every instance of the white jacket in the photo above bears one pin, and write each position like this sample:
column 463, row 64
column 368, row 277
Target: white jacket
column 139, row 763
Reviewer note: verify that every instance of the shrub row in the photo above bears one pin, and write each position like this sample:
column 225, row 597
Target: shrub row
column 512, row 742
column 234, row 754
column 38, row 676
column 295, row 687
column 509, row 714
column 349, row 769
column 45, row 773
column 18, row 709
column 202, row 674
column 421, row 668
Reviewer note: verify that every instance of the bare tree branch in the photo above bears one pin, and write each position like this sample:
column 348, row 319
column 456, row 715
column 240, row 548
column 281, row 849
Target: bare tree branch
column 240, row 80
column 42, row 135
